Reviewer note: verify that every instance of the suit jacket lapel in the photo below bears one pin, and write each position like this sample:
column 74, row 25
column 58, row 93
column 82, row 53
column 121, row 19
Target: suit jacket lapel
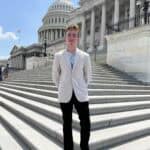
column 76, row 60
column 66, row 59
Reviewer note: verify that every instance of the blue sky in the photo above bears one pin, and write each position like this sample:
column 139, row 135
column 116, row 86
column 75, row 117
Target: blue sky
column 19, row 22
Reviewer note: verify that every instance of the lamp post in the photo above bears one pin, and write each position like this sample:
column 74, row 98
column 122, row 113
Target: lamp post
column 45, row 45
column 145, row 9
column 138, row 17
column 0, row 73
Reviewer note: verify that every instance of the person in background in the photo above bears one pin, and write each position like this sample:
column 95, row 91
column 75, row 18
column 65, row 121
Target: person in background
column 71, row 73
column 5, row 72
column 1, row 74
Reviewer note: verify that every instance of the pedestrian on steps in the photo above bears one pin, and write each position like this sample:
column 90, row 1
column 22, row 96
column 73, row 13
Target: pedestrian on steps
column 71, row 72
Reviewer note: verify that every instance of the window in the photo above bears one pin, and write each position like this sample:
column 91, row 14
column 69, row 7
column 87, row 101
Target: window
column 96, row 29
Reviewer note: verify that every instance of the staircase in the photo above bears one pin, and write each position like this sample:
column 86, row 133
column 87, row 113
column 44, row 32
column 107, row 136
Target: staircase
column 30, row 117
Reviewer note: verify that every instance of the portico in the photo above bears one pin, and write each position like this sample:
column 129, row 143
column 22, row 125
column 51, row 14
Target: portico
column 95, row 18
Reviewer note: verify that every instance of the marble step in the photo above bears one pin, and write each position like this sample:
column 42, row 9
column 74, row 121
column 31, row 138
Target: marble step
column 107, row 69
column 32, row 85
column 142, row 143
column 115, row 82
column 113, row 74
column 45, row 92
column 106, row 75
column 113, row 78
column 95, row 108
column 93, row 78
column 45, row 74
column 99, row 138
column 95, row 82
column 117, row 86
column 7, row 141
column 40, row 72
column 101, row 86
column 93, row 99
column 94, row 92
column 25, row 132
column 97, row 121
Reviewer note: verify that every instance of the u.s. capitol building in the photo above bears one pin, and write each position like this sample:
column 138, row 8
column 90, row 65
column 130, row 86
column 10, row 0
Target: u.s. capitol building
column 119, row 28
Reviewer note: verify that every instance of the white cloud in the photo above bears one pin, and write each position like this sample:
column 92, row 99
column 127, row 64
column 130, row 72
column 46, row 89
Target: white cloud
column 7, row 35
column 4, row 57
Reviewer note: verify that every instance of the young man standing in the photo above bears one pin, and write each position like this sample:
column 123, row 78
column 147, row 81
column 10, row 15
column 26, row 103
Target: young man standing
column 71, row 72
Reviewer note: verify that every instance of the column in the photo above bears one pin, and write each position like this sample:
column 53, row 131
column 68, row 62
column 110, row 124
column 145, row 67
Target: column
column 44, row 35
column 126, row 16
column 92, row 31
column 116, row 14
column 21, row 64
column 83, row 37
column 47, row 35
column 132, row 13
column 52, row 35
column 60, row 33
column 17, row 61
column 103, row 27
column 63, row 33
column 40, row 36
column 56, row 34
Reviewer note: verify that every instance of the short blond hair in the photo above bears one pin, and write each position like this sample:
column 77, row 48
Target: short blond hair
column 72, row 27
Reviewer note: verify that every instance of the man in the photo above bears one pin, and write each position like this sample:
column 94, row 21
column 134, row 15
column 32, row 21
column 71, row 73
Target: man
column 6, row 70
column 71, row 72
column 0, row 73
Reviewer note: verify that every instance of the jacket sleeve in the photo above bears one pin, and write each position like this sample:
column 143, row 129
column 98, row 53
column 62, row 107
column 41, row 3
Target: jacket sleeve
column 88, row 70
column 56, row 70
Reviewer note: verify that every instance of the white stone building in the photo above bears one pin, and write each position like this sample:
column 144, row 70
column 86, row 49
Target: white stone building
column 116, row 27
column 52, row 32
column 97, row 17
column 121, row 29
column 54, row 22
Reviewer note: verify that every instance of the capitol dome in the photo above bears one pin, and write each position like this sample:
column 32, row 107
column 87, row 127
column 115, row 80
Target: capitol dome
column 54, row 22
column 61, row 5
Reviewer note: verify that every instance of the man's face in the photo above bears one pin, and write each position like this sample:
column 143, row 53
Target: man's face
column 72, row 38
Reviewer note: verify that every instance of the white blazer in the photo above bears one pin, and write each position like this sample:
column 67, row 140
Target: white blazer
column 68, row 79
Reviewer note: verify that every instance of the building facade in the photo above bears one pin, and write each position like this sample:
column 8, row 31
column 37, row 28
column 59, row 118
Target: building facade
column 54, row 22
column 50, row 35
column 98, row 18
column 20, row 54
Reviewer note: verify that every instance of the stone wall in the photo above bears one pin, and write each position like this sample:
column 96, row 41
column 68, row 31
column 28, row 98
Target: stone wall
column 36, row 62
column 129, row 51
